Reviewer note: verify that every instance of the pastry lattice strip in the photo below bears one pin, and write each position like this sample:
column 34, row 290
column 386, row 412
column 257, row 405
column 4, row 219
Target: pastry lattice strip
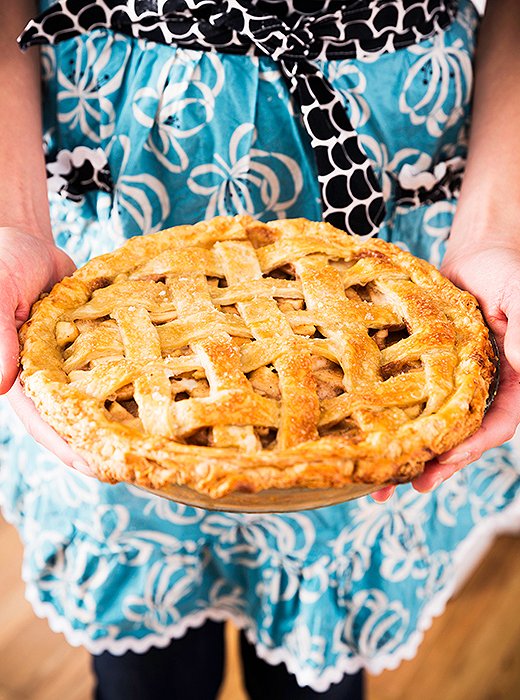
column 166, row 324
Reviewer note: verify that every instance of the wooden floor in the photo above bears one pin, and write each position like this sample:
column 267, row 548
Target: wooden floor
column 471, row 653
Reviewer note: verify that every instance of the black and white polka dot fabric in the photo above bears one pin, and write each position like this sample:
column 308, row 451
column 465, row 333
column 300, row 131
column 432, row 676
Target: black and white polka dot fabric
column 297, row 35
column 78, row 171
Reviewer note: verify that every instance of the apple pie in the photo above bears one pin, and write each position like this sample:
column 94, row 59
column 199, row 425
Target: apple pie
column 239, row 356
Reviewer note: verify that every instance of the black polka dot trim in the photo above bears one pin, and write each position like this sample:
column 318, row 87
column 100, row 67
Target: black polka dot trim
column 75, row 172
column 441, row 183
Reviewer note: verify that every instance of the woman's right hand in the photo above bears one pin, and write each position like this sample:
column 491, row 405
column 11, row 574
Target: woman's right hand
column 29, row 264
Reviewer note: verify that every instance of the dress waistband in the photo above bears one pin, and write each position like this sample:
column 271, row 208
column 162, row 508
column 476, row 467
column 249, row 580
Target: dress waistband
column 297, row 40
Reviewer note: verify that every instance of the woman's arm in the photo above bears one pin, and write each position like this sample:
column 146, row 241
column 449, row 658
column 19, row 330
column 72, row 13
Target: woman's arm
column 25, row 229
column 483, row 252
column 29, row 260
column 488, row 211
column 23, row 195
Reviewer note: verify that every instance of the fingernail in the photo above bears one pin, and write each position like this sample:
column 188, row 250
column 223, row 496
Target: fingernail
column 454, row 458
column 82, row 467
column 382, row 499
column 435, row 484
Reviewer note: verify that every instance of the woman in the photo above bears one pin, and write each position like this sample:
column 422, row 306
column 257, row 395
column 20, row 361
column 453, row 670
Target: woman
column 144, row 134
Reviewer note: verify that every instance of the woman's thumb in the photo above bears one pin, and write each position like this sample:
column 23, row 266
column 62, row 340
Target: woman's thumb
column 512, row 340
column 9, row 347
column 511, row 308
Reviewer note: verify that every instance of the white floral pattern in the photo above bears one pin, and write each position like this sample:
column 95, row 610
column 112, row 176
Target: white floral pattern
column 438, row 85
column 86, row 87
column 176, row 110
column 167, row 582
column 231, row 183
column 373, row 622
column 143, row 196
column 350, row 81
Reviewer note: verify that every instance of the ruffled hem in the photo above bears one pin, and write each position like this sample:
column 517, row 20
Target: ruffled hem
column 466, row 557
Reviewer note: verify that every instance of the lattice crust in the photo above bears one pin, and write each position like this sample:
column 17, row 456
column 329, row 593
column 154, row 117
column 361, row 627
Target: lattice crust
column 235, row 355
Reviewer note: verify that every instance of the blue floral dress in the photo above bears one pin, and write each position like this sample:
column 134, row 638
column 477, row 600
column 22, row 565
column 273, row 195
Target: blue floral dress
column 188, row 135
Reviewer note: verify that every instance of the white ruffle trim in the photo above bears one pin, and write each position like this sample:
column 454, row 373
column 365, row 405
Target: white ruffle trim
column 467, row 555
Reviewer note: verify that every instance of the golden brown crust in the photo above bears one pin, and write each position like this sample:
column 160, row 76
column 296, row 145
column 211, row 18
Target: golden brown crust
column 239, row 356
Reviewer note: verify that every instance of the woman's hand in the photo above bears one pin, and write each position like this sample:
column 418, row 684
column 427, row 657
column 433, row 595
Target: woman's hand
column 492, row 274
column 29, row 264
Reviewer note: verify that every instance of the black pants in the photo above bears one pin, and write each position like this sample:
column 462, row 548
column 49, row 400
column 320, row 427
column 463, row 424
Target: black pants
column 191, row 668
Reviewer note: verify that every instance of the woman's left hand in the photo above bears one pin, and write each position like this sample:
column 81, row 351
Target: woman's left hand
column 492, row 274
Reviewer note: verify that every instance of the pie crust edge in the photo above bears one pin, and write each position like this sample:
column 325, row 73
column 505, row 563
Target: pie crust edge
column 117, row 453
